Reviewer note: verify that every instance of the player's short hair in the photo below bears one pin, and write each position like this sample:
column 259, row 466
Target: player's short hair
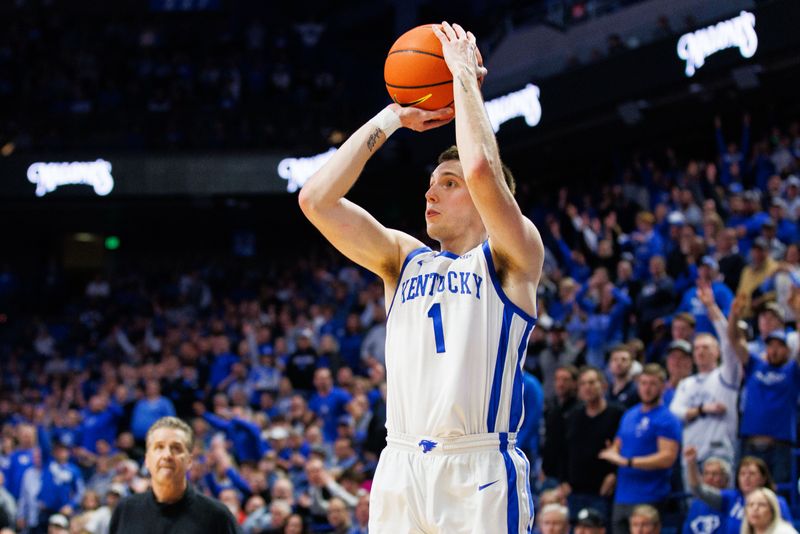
column 654, row 369
column 172, row 422
column 451, row 154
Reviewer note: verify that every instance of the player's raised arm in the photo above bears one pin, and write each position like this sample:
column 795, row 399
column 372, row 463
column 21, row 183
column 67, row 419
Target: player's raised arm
column 515, row 241
column 350, row 228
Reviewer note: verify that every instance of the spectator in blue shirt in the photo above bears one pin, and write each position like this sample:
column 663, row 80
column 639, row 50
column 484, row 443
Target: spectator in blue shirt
column 150, row 409
column 245, row 435
column 99, row 422
column 732, row 158
column 707, row 273
column 62, row 482
column 605, row 318
column 645, row 450
column 771, row 386
column 646, row 243
column 328, row 402
column 533, row 402
column 21, row 458
column 702, row 518
column 752, row 474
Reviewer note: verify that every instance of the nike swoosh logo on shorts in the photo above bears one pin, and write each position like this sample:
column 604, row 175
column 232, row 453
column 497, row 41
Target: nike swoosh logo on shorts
column 481, row 488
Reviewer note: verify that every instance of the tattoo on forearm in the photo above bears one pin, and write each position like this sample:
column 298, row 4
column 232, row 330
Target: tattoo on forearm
column 372, row 140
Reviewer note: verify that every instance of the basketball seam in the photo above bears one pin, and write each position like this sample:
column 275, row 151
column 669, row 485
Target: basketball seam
column 411, row 50
column 417, row 86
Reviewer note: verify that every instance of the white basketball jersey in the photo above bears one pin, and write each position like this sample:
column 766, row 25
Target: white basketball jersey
column 455, row 347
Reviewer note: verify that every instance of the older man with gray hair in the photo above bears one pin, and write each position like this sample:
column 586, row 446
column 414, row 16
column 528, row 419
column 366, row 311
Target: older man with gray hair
column 554, row 519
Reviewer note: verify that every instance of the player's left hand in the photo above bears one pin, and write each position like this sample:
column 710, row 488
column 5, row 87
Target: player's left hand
column 460, row 51
column 421, row 120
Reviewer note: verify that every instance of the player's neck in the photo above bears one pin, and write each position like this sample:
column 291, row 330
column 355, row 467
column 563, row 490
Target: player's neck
column 462, row 243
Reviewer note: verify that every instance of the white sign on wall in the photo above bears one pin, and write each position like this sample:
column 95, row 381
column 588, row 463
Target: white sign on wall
column 49, row 176
column 738, row 32
column 523, row 103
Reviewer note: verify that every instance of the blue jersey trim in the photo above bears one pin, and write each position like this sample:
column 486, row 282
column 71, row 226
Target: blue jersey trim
column 487, row 252
column 512, row 509
column 528, row 486
column 448, row 254
column 499, row 366
column 517, row 408
column 411, row 255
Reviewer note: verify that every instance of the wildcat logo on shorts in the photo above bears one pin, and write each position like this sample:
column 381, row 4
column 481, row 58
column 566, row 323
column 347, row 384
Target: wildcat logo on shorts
column 427, row 445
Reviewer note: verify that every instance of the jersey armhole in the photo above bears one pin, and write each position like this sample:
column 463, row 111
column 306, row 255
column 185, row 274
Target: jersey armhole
column 487, row 252
column 411, row 255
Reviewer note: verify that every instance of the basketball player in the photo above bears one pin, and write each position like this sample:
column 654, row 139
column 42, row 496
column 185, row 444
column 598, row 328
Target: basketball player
column 458, row 319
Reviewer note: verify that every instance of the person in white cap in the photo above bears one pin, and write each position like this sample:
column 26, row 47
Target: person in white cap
column 58, row 524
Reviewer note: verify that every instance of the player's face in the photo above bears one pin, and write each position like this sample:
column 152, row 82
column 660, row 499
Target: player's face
column 448, row 206
column 168, row 457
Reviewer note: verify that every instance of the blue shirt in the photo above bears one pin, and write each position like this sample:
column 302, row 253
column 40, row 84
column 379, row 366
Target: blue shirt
column 723, row 296
column 99, row 425
column 533, row 402
column 329, row 408
column 639, row 432
column 19, row 462
column 246, row 436
column 772, row 390
column 733, row 508
column 221, row 368
column 146, row 412
column 62, row 484
column 702, row 519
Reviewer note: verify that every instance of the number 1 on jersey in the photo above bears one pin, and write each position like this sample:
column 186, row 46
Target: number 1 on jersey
column 435, row 313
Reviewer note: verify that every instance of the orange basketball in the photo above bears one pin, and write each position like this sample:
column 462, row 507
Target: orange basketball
column 415, row 71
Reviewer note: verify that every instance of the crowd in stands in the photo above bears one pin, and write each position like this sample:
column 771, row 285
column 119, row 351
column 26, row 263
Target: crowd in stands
column 664, row 364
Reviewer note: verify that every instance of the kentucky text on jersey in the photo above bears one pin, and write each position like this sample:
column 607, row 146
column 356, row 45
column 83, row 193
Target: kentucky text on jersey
column 457, row 282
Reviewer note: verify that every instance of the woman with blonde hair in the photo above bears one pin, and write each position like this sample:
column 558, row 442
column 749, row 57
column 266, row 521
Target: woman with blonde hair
column 762, row 514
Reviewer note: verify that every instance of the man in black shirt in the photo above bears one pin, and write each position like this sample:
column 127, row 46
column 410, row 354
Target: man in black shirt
column 589, row 427
column 171, row 506
column 556, row 409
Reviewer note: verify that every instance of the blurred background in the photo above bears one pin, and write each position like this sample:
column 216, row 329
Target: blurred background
column 204, row 112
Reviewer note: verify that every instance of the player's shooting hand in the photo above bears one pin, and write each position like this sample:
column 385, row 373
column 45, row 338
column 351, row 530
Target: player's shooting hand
column 421, row 120
column 460, row 51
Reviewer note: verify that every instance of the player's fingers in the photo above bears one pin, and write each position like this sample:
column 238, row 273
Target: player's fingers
column 437, row 114
column 471, row 38
column 460, row 33
column 437, row 31
column 448, row 30
column 429, row 125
